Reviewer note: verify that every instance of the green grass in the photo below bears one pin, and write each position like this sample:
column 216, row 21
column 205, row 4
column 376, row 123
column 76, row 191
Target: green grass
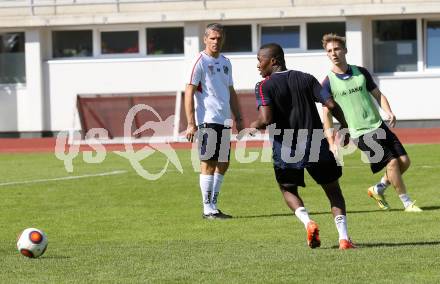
column 123, row 228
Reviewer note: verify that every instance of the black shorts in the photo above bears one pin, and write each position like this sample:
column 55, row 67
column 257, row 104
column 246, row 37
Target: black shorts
column 322, row 173
column 380, row 146
column 214, row 142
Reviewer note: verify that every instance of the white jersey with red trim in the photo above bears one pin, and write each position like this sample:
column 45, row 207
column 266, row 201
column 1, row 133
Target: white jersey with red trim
column 213, row 77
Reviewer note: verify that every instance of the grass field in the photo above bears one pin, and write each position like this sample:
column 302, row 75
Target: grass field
column 122, row 228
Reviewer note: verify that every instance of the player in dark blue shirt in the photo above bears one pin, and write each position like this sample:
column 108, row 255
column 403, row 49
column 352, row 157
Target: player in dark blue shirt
column 286, row 106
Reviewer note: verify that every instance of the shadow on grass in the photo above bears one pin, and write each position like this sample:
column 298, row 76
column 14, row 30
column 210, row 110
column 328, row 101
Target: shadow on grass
column 354, row 211
column 264, row 216
column 427, row 208
column 311, row 213
column 55, row 257
column 378, row 245
column 430, row 208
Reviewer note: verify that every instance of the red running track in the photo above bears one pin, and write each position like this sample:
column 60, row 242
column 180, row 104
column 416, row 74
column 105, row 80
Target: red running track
column 35, row 145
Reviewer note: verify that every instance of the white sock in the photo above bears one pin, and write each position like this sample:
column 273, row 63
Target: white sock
column 341, row 226
column 381, row 186
column 302, row 215
column 218, row 180
column 384, row 181
column 206, row 185
column 406, row 200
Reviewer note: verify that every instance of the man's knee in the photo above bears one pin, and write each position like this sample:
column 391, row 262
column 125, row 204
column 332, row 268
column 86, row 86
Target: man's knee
column 404, row 162
column 292, row 188
column 208, row 167
column 222, row 167
column 393, row 164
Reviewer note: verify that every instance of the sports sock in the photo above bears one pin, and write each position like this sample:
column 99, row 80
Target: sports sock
column 384, row 181
column 341, row 226
column 380, row 187
column 406, row 200
column 206, row 185
column 218, row 180
column 302, row 215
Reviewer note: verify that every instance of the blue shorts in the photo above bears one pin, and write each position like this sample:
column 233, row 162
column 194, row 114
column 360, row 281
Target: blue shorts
column 214, row 142
column 315, row 157
column 298, row 154
column 321, row 172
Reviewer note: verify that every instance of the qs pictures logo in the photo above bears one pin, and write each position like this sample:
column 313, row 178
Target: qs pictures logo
column 135, row 157
column 67, row 153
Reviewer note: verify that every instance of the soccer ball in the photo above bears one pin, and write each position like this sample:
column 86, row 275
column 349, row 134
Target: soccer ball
column 32, row 242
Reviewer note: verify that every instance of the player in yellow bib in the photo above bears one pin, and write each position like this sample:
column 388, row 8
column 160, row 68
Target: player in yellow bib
column 353, row 88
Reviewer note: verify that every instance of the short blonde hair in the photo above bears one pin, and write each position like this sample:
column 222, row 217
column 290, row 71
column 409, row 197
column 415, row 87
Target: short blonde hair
column 333, row 37
column 214, row 27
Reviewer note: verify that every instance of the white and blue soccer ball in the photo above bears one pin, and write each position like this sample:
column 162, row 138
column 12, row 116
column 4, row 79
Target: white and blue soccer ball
column 32, row 243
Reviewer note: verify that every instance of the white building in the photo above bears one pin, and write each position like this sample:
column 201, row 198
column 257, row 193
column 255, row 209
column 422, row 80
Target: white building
column 53, row 50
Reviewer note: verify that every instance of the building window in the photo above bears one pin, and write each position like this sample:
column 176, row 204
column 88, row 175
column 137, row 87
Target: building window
column 12, row 58
column 315, row 32
column 395, row 45
column 165, row 40
column 119, row 42
column 433, row 44
column 72, row 43
column 238, row 38
column 286, row 36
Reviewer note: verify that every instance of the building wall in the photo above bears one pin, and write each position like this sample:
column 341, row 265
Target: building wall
column 61, row 13
column 412, row 97
column 68, row 78
column 47, row 102
column 9, row 107
column 22, row 105
column 409, row 100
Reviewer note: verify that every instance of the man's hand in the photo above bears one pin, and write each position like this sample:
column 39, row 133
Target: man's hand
column 239, row 125
column 391, row 119
column 342, row 136
column 246, row 131
column 335, row 150
column 254, row 124
column 253, row 128
column 251, row 131
column 191, row 130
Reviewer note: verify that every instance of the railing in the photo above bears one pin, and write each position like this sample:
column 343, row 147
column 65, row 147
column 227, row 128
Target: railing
column 33, row 4
column 54, row 3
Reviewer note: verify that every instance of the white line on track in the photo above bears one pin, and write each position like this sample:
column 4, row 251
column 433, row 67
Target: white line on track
column 63, row 178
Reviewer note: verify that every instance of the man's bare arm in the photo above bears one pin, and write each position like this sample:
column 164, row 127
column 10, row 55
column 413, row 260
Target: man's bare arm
column 264, row 118
column 235, row 108
column 191, row 128
column 384, row 104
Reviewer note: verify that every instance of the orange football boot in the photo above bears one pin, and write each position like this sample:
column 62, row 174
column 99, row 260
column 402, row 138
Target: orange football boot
column 313, row 240
column 346, row 244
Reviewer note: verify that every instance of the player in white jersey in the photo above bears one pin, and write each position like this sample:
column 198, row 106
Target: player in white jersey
column 209, row 99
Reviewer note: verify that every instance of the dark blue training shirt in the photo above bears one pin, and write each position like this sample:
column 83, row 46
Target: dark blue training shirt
column 292, row 96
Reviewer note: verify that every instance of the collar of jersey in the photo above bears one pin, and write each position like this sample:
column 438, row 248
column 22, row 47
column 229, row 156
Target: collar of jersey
column 347, row 75
column 210, row 55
